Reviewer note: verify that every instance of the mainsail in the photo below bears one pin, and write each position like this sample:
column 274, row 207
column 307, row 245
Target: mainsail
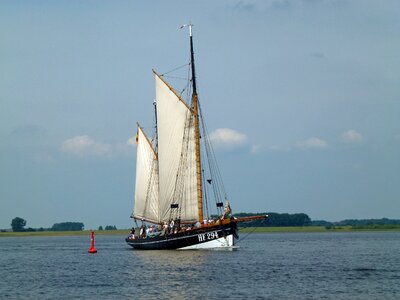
column 146, row 188
column 176, row 153
column 169, row 181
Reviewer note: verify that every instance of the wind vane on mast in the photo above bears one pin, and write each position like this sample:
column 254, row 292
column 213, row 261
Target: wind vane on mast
column 187, row 25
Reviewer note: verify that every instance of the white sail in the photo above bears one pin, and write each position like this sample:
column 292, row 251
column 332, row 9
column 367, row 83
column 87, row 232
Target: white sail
column 146, row 187
column 176, row 154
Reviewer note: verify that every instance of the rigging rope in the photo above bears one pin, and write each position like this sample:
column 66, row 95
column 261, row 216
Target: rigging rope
column 205, row 196
column 216, row 177
column 176, row 77
column 177, row 68
column 252, row 231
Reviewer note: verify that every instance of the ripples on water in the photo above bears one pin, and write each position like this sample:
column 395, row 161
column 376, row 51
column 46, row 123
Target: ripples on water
column 266, row 266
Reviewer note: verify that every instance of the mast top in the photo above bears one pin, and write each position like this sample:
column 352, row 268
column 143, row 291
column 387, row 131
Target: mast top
column 192, row 58
column 190, row 28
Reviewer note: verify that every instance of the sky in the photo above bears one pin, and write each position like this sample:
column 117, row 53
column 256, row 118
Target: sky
column 301, row 98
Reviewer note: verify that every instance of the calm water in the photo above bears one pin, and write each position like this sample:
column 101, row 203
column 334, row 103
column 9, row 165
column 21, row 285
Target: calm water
column 266, row 266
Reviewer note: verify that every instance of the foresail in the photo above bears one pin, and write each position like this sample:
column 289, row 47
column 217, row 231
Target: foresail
column 176, row 154
column 146, row 187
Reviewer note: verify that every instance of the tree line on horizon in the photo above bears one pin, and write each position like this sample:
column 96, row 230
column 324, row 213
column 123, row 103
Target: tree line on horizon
column 302, row 219
column 18, row 225
column 274, row 220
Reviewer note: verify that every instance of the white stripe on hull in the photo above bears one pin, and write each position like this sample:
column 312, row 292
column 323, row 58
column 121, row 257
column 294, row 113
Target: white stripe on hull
column 222, row 242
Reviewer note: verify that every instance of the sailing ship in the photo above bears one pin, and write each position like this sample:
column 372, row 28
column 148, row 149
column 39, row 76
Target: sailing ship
column 176, row 175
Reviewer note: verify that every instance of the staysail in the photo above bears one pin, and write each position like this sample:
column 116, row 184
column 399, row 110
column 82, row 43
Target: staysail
column 176, row 153
column 146, row 187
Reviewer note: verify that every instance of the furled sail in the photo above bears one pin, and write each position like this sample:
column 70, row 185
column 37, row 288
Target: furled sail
column 176, row 153
column 146, row 187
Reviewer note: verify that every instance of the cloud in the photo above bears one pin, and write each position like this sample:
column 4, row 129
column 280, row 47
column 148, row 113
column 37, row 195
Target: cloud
column 84, row 145
column 352, row 136
column 312, row 143
column 227, row 138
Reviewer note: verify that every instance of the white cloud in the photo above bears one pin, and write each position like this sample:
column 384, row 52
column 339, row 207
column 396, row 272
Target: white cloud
column 83, row 145
column 227, row 138
column 352, row 136
column 312, row 143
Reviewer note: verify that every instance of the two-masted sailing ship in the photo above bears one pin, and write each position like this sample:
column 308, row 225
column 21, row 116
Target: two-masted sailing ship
column 177, row 176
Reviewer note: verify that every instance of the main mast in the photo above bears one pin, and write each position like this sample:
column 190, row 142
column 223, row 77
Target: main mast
column 196, row 130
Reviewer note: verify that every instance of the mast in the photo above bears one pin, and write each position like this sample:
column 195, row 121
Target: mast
column 197, row 130
column 156, row 125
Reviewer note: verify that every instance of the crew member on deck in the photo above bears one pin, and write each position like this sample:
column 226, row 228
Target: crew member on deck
column 132, row 233
column 227, row 210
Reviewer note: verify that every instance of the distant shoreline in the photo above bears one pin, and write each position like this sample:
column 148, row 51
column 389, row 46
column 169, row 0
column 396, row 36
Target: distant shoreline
column 319, row 229
column 241, row 230
column 63, row 233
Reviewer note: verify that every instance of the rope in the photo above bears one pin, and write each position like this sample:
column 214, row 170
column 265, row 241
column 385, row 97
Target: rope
column 255, row 228
column 177, row 68
column 215, row 174
column 176, row 77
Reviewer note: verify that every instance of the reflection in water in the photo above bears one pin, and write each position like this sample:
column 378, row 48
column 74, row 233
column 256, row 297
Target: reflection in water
column 171, row 257
column 170, row 270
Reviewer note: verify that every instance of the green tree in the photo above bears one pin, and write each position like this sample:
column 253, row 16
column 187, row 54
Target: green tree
column 110, row 227
column 100, row 227
column 18, row 224
column 68, row 226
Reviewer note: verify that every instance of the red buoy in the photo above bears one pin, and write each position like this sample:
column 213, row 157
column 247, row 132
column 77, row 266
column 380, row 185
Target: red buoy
column 92, row 248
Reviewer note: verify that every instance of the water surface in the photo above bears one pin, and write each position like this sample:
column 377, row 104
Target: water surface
column 362, row 265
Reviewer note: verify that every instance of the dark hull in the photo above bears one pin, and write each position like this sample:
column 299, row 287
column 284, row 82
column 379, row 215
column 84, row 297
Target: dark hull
column 193, row 238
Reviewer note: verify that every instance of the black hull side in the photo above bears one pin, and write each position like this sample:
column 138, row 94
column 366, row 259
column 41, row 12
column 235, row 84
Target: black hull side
column 184, row 239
